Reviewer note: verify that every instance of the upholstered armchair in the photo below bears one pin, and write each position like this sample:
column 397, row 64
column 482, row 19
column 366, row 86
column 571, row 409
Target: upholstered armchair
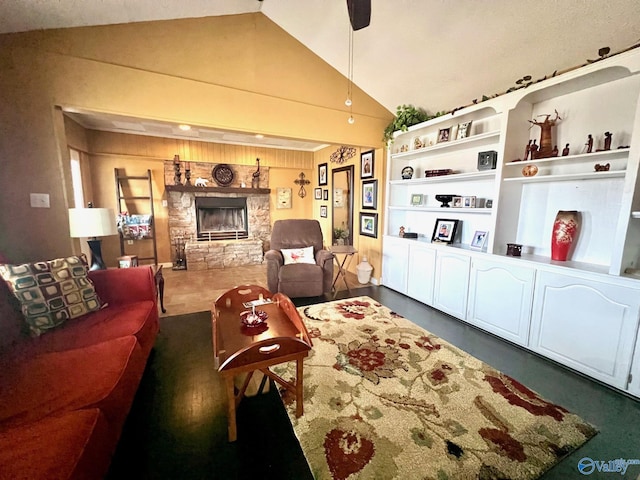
column 297, row 263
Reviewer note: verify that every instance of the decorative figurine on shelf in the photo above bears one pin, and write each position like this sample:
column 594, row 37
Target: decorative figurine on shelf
column 527, row 151
column 545, row 134
column 589, row 143
column 255, row 176
column 607, row 142
column 401, row 234
column 565, row 150
column 602, row 168
column 201, row 182
column 407, row 173
column 417, row 143
column 554, row 152
column 514, row 249
column 176, row 170
column 534, row 150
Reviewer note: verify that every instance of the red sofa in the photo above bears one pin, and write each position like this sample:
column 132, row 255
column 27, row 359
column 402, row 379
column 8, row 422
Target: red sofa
column 65, row 395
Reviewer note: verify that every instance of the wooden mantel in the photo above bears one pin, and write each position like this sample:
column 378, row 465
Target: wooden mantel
column 192, row 188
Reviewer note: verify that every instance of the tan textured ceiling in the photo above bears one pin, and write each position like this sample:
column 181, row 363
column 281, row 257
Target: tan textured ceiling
column 435, row 54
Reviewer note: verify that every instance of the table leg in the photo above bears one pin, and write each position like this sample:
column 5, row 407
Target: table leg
column 160, row 280
column 231, row 408
column 299, row 389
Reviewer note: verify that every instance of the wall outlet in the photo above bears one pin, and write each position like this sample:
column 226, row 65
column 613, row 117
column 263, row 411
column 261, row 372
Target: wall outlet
column 129, row 242
column 165, row 203
column 39, row 200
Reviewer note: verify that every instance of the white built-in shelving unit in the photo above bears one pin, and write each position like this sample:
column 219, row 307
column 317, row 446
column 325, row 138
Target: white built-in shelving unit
column 564, row 310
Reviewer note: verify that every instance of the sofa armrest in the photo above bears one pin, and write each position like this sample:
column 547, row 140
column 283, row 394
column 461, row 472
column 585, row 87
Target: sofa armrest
column 118, row 286
column 323, row 256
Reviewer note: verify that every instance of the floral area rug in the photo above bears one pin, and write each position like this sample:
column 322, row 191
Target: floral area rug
column 384, row 398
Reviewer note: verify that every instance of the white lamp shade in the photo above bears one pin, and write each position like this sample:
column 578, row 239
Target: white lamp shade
column 91, row 222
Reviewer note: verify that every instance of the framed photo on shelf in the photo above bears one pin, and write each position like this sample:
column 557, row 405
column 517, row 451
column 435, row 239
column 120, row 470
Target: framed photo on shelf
column 317, row 193
column 370, row 194
column 416, row 199
column 366, row 164
column 443, row 135
column 464, row 130
column 444, row 230
column 325, row 195
column 457, row 202
column 323, row 174
column 369, row 224
column 479, row 240
column 323, row 211
column 469, row 202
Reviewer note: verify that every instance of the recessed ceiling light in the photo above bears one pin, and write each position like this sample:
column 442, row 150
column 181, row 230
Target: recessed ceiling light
column 185, row 128
column 259, row 135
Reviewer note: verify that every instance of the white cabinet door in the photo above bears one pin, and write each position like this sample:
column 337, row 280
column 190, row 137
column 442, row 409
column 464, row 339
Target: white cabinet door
column 500, row 297
column 451, row 283
column 589, row 326
column 395, row 258
column 422, row 265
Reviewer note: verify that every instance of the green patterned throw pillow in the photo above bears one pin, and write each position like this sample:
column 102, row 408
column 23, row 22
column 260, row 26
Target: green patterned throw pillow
column 52, row 292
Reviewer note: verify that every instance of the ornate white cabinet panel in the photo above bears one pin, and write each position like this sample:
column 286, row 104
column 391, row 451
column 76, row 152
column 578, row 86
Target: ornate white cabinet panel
column 451, row 283
column 422, row 265
column 395, row 258
column 587, row 325
column 500, row 298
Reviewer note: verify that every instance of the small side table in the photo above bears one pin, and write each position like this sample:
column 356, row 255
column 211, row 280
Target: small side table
column 348, row 251
column 159, row 279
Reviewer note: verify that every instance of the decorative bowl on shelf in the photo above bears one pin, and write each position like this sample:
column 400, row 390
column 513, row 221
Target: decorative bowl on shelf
column 445, row 200
column 253, row 318
column 529, row 170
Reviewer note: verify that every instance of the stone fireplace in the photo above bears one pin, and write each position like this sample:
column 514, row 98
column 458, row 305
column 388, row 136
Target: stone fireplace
column 220, row 226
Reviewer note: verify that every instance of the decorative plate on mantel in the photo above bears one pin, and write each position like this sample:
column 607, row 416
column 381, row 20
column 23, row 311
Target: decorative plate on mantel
column 222, row 174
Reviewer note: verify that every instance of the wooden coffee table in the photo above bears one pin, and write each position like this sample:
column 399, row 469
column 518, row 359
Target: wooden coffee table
column 240, row 349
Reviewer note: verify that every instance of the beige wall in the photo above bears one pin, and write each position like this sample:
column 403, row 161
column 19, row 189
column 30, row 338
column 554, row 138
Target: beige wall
column 234, row 72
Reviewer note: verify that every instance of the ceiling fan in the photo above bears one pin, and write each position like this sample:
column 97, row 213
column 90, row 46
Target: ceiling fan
column 359, row 13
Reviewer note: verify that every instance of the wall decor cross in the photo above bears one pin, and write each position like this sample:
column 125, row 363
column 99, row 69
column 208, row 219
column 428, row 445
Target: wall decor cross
column 302, row 182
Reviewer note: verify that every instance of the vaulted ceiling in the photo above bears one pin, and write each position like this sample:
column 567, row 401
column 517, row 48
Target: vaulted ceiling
column 434, row 54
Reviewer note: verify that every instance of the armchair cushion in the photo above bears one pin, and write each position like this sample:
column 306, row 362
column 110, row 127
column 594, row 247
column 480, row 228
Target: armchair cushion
column 298, row 255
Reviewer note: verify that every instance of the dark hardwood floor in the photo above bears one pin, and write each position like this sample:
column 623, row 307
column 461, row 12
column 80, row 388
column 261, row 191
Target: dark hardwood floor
column 177, row 428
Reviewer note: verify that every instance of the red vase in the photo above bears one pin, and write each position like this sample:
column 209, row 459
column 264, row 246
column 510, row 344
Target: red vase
column 565, row 229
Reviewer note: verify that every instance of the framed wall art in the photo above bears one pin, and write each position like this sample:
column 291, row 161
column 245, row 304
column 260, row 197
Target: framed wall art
column 444, row 230
column 369, row 224
column 284, row 197
column 323, row 177
column 323, row 211
column 370, row 194
column 366, row 164
column 325, row 195
column 317, row 193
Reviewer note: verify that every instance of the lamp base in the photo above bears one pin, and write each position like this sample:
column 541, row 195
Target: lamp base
column 96, row 255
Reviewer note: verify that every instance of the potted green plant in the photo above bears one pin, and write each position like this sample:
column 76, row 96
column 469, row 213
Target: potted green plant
column 406, row 116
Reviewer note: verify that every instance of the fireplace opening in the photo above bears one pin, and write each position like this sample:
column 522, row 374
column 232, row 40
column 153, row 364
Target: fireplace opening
column 221, row 218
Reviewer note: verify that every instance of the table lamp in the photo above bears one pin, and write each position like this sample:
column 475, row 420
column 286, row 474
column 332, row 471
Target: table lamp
column 92, row 223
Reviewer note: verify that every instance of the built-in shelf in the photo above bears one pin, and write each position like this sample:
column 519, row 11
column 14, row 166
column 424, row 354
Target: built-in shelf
column 445, row 145
column 620, row 152
column 191, row 188
column 454, row 177
column 410, row 208
column 568, row 176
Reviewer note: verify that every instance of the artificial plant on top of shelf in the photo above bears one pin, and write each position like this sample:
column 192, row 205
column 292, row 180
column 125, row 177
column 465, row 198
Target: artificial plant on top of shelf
column 406, row 116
